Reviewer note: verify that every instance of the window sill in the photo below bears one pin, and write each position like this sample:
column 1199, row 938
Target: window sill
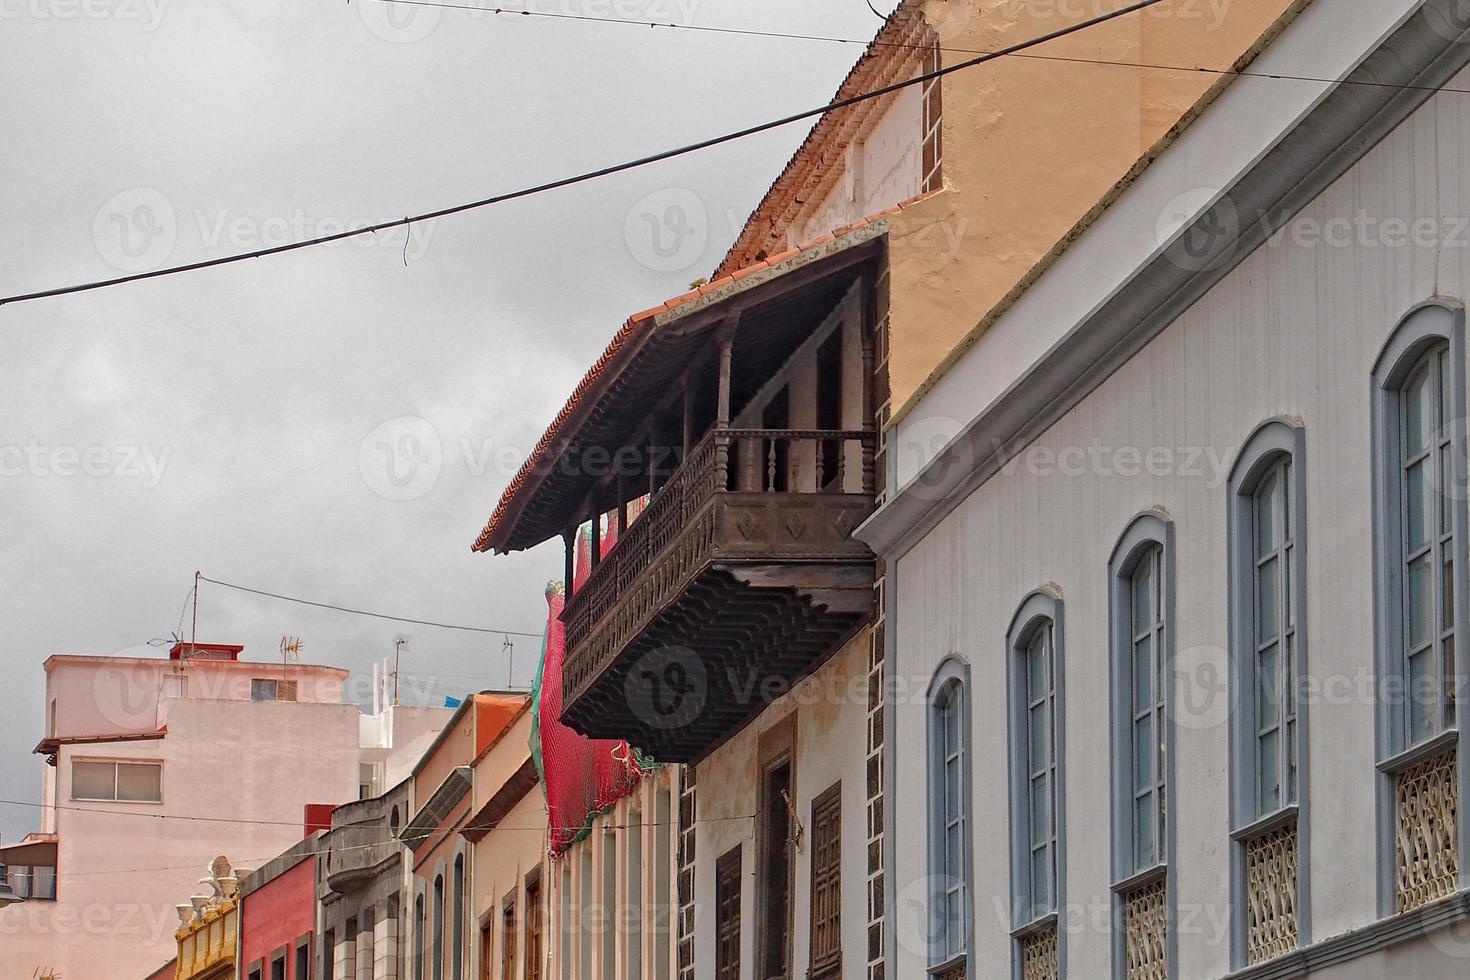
column 956, row 966
column 1418, row 753
column 1140, row 879
column 89, row 799
column 1037, row 925
column 831, row 967
column 1264, row 825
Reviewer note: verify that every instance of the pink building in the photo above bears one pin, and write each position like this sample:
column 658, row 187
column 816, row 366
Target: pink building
column 156, row 765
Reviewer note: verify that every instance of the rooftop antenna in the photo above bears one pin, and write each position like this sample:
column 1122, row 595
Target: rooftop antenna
column 399, row 642
column 509, row 649
column 290, row 650
column 194, row 625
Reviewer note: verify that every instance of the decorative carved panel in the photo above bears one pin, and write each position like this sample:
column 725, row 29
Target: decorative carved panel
column 1146, row 931
column 1039, row 956
column 1270, row 894
column 1428, row 861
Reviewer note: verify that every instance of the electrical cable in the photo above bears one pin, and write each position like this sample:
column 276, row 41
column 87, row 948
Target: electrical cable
column 878, row 42
column 588, row 175
column 364, row 612
column 539, row 827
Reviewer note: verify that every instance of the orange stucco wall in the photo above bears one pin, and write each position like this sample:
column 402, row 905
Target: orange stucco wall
column 1032, row 145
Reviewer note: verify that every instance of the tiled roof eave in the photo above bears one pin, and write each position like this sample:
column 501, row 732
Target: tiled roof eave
column 629, row 339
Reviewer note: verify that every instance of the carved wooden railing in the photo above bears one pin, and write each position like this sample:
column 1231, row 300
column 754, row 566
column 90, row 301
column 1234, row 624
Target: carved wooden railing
column 660, row 551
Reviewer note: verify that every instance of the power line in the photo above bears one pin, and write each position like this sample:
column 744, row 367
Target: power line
column 669, row 25
column 297, row 823
column 364, row 612
column 879, row 42
column 592, row 174
column 542, row 827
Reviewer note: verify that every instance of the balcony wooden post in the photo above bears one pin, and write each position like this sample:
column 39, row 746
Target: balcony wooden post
column 688, row 419
column 870, row 424
column 570, row 539
column 596, row 552
column 722, row 405
column 653, row 438
column 622, row 504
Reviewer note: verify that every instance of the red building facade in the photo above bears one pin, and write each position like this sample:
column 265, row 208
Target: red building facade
column 278, row 915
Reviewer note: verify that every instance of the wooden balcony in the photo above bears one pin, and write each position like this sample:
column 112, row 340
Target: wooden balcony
column 741, row 576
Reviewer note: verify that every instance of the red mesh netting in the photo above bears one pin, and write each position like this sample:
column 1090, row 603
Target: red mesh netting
column 581, row 776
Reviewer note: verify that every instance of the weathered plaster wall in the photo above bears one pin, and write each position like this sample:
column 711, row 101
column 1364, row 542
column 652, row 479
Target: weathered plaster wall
column 877, row 172
column 830, row 711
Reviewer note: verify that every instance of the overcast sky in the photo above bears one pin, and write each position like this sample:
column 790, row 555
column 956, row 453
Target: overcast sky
column 333, row 423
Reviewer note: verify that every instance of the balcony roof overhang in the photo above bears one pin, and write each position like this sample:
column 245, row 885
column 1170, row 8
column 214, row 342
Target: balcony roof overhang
column 517, row 786
column 651, row 351
column 439, row 806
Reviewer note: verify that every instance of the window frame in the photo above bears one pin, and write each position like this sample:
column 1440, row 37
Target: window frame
column 1275, row 441
column 509, row 924
column 459, row 915
column 949, row 689
column 533, row 927
column 436, row 963
column 1148, row 536
column 826, row 963
column 729, row 885
column 1042, row 609
column 89, row 760
column 301, row 957
column 775, row 936
column 1433, row 323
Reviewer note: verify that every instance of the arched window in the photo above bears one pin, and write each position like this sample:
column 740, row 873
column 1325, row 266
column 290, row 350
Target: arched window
column 1034, row 660
column 437, row 966
column 1141, row 601
column 1267, row 554
column 420, row 924
column 949, row 815
column 456, row 954
column 1422, row 600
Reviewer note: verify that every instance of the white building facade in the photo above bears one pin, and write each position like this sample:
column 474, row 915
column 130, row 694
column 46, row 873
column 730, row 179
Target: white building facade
column 1177, row 612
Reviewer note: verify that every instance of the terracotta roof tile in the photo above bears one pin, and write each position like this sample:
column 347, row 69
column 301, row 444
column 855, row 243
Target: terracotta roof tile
column 819, row 154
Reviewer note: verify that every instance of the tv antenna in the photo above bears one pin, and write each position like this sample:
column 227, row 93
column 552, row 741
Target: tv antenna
column 291, row 649
column 399, row 642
